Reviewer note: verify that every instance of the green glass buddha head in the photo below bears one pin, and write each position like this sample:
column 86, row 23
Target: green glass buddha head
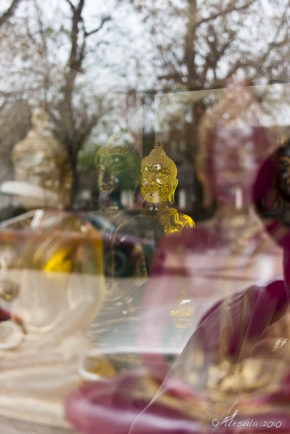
column 118, row 167
column 159, row 176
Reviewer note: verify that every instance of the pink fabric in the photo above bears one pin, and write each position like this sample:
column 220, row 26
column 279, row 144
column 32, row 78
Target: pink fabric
column 4, row 315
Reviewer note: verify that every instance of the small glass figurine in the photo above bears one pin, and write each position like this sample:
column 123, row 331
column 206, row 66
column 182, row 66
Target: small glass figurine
column 129, row 239
column 55, row 292
column 118, row 167
column 158, row 185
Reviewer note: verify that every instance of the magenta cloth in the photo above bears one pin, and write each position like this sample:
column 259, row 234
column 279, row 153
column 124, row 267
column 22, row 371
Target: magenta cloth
column 112, row 406
column 116, row 407
column 4, row 315
column 163, row 287
column 279, row 231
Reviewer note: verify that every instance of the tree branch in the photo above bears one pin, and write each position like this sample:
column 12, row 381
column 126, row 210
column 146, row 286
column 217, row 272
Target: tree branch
column 71, row 5
column 225, row 12
column 6, row 15
column 104, row 20
column 80, row 7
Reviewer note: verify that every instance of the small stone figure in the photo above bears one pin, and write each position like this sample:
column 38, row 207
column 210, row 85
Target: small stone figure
column 158, row 185
column 41, row 167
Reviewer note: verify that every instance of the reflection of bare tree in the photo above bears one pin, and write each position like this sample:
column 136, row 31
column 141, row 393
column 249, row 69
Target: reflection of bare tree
column 72, row 133
column 74, row 122
column 197, row 45
column 200, row 44
column 188, row 44
column 47, row 60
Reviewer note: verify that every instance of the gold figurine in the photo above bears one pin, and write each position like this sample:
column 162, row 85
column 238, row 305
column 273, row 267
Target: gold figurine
column 158, row 185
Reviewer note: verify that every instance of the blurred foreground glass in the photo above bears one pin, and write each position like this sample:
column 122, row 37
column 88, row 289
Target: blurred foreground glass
column 143, row 229
column 224, row 267
column 58, row 270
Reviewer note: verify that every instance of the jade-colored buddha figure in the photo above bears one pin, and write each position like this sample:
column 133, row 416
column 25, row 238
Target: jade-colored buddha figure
column 129, row 236
column 118, row 170
column 158, row 185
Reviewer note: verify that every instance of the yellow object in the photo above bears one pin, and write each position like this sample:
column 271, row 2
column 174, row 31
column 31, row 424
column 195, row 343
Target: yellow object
column 60, row 262
column 158, row 185
column 99, row 366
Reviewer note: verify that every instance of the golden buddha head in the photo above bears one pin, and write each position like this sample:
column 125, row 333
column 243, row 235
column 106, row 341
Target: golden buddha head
column 159, row 176
column 118, row 166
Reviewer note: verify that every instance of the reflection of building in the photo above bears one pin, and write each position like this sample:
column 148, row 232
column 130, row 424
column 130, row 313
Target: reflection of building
column 177, row 117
